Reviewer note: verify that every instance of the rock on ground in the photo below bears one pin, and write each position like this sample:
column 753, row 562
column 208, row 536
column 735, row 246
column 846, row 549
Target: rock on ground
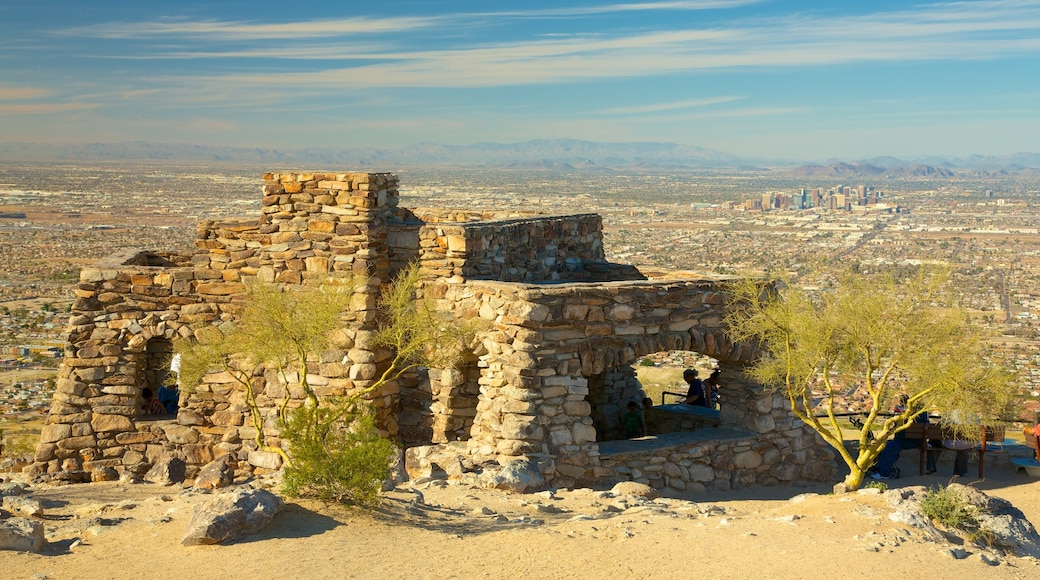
column 216, row 474
column 520, row 476
column 168, row 470
column 634, row 488
column 228, row 515
column 21, row 534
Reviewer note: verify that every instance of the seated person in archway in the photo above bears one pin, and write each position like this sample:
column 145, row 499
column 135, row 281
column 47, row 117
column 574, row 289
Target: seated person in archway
column 169, row 396
column 695, row 389
column 632, row 422
column 711, row 389
column 150, row 403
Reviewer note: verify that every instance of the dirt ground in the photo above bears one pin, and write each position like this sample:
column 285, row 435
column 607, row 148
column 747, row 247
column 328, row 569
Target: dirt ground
column 439, row 530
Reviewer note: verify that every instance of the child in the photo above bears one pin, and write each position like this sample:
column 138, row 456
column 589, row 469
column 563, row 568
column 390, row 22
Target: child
column 150, row 404
column 632, row 422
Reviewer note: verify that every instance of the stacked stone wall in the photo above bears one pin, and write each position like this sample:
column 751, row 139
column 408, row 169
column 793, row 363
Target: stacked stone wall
column 446, row 215
column 526, row 250
column 717, row 460
column 548, row 340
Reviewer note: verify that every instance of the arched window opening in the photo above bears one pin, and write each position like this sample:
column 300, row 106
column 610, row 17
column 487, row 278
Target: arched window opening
column 654, row 390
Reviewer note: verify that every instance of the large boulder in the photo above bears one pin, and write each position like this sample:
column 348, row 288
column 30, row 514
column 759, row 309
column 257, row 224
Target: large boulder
column 232, row 514
column 520, row 476
column 22, row 535
column 1001, row 524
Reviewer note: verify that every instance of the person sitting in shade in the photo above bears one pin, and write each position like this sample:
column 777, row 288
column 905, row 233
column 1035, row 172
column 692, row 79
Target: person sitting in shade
column 648, row 418
column 632, row 422
column 959, row 445
column 150, row 403
column 895, row 446
column 170, row 398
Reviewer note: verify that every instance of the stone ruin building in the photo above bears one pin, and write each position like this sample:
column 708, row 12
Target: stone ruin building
column 546, row 385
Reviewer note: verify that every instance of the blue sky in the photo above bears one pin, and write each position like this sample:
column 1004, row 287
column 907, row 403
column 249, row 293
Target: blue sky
column 792, row 80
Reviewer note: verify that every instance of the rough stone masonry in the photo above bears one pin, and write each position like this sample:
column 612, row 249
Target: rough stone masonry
column 545, row 384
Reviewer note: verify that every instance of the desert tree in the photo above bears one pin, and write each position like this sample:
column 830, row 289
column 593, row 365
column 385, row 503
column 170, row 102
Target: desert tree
column 278, row 328
column 871, row 338
column 334, row 448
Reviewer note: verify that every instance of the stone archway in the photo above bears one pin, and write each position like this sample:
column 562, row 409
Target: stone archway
column 153, row 372
column 609, row 393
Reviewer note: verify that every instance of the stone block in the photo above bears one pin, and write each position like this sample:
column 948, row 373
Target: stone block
column 701, row 473
column 264, row 459
column 73, row 443
column 197, row 454
column 54, row 433
column 220, row 288
column 180, row 434
column 227, row 418
column 107, row 423
column 747, row 460
column 134, row 437
column 583, row 433
column 577, row 408
column 561, row 436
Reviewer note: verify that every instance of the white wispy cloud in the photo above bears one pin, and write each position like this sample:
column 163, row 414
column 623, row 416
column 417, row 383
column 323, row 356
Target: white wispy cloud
column 988, row 29
column 625, row 7
column 659, row 107
column 221, row 30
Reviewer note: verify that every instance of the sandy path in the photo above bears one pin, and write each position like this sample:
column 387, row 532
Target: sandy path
column 456, row 532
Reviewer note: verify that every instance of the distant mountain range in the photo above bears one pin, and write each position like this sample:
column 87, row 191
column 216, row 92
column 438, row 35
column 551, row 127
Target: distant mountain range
column 896, row 169
column 558, row 154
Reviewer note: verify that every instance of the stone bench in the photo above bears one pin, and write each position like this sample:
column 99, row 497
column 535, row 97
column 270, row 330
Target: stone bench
column 1030, row 464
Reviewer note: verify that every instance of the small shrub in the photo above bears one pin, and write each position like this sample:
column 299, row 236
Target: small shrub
column 647, row 362
column 949, row 508
column 874, row 484
column 338, row 455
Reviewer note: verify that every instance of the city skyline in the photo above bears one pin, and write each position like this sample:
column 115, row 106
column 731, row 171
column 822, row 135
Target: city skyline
column 778, row 80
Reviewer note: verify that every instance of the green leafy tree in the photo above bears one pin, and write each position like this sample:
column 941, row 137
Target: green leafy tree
column 873, row 338
column 334, row 449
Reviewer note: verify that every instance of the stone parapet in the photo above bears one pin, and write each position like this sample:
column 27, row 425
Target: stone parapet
column 545, row 249
column 716, row 460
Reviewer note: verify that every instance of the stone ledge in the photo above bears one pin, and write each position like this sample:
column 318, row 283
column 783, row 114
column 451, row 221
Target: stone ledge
column 643, row 445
